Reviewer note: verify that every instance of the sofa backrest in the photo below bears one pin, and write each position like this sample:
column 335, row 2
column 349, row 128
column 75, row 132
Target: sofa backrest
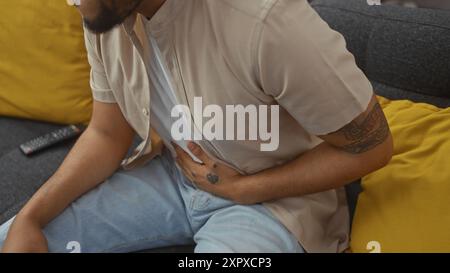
column 405, row 52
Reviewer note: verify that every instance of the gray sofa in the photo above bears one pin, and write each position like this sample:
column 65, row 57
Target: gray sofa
column 405, row 53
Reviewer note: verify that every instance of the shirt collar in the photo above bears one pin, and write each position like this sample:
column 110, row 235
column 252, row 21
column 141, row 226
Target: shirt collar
column 129, row 24
column 164, row 16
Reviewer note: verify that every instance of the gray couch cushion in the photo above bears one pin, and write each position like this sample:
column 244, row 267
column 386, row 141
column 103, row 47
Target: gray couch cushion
column 21, row 176
column 404, row 51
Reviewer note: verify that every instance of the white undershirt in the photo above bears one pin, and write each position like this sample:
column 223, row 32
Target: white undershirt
column 162, row 97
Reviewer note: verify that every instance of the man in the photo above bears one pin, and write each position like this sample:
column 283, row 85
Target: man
column 227, row 195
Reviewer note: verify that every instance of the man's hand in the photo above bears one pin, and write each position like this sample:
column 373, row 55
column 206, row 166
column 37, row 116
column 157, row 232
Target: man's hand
column 25, row 236
column 210, row 176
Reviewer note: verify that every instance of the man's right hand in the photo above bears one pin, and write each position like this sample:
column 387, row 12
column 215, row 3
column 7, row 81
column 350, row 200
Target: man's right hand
column 25, row 236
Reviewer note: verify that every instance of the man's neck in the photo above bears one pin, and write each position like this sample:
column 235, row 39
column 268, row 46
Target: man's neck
column 148, row 8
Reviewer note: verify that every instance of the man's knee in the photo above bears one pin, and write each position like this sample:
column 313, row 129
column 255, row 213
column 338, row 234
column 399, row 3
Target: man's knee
column 254, row 240
column 242, row 229
column 236, row 246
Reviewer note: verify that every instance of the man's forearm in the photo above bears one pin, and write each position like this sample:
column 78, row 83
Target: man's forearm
column 93, row 159
column 323, row 168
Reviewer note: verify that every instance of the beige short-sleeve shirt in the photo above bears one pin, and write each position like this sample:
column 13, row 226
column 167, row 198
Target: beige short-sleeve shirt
column 252, row 52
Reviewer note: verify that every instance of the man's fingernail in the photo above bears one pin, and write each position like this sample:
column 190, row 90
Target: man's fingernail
column 192, row 145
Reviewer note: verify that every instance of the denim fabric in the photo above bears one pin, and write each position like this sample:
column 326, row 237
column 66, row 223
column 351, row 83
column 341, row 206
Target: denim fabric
column 155, row 206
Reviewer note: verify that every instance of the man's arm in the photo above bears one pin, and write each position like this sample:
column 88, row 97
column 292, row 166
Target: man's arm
column 361, row 147
column 306, row 68
column 95, row 156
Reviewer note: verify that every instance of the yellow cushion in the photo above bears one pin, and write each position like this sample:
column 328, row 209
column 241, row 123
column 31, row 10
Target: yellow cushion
column 405, row 207
column 44, row 74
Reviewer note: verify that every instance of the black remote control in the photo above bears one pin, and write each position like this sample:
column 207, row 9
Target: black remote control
column 43, row 142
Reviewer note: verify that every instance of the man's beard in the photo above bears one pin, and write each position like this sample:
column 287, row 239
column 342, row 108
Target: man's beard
column 108, row 18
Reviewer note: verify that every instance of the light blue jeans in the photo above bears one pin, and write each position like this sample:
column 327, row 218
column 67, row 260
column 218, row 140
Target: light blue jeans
column 155, row 206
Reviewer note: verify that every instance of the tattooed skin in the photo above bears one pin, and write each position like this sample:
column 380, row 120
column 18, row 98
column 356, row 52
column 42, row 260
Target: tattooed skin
column 366, row 134
column 212, row 177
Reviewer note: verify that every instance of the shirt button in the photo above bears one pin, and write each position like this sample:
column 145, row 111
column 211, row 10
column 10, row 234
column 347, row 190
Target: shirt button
column 145, row 112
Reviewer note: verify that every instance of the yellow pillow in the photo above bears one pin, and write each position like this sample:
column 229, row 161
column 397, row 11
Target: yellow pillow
column 44, row 74
column 405, row 207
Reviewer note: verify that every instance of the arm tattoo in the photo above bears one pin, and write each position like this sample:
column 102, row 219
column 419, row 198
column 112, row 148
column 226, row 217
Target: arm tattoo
column 366, row 134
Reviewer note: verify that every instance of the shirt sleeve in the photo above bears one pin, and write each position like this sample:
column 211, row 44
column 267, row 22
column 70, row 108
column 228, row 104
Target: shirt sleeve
column 306, row 67
column 101, row 90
